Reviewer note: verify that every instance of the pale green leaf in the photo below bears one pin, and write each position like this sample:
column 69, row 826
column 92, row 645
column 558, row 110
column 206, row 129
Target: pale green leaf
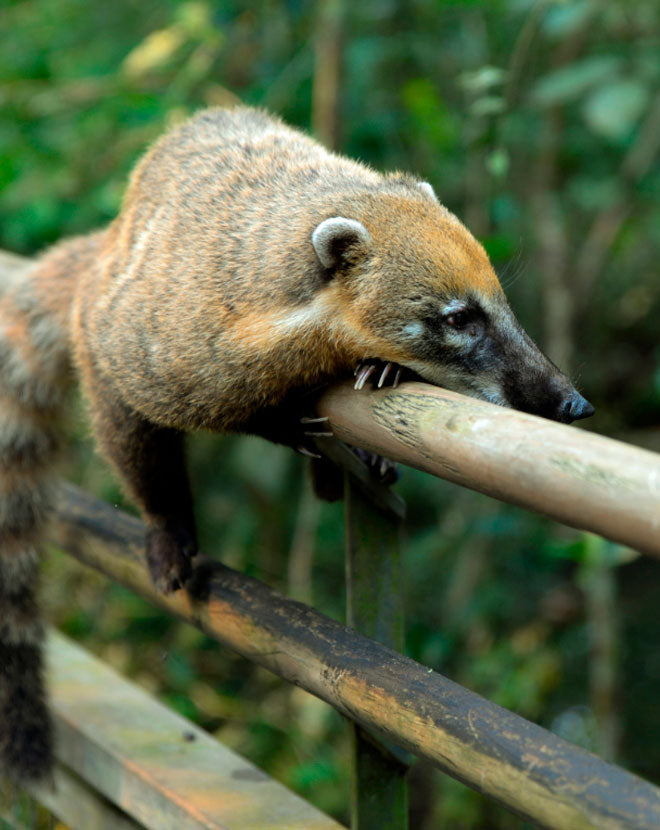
column 571, row 82
column 613, row 110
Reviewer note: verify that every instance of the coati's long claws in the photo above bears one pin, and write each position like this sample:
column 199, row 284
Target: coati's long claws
column 365, row 369
column 322, row 419
column 361, row 364
column 369, row 372
column 384, row 374
column 304, row 451
column 364, row 376
column 382, row 468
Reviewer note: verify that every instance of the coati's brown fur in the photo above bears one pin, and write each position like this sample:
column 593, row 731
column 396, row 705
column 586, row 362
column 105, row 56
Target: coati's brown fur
column 247, row 267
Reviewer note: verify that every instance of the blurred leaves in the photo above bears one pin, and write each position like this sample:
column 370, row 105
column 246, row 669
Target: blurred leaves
column 569, row 83
column 426, row 107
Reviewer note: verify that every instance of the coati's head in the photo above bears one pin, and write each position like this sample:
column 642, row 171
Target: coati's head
column 421, row 292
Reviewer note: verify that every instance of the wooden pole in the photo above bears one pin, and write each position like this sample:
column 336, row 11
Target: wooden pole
column 327, row 72
column 374, row 607
column 576, row 477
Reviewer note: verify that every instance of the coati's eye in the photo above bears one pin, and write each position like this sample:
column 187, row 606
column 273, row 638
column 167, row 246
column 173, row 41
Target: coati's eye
column 458, row 319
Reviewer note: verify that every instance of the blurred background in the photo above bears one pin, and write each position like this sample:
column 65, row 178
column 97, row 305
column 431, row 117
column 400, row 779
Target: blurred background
column 538, row 123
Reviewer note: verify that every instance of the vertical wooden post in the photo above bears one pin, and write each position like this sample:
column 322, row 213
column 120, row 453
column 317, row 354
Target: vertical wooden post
column 374, row 606
column 327, row 72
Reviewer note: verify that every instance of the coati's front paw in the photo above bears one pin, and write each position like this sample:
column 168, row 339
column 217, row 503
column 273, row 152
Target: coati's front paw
column 168, row 557
column 312, row 427
column 328, row 477
column 379, row 372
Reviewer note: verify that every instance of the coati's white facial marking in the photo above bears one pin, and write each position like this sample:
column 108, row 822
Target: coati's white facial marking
column 332, row 236
column 449, row 377
column 441, row 375
column 453, row 306
column 413, row 330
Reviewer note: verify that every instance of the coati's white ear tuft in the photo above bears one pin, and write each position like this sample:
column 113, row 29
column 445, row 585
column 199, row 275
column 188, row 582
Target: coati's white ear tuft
column 428, row 189
column 333, row 237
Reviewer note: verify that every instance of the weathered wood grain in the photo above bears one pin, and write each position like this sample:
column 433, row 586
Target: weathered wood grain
column 78, row 806
column 574, row 476
column 155, row 765
column 494, row 751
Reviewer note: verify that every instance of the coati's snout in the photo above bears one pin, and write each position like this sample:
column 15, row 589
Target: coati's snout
column 530, row 381
column 575, row 407
column 476, row 346
column 549, row 394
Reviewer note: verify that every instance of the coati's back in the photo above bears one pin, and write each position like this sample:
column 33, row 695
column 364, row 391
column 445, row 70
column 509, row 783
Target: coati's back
column 217, row 223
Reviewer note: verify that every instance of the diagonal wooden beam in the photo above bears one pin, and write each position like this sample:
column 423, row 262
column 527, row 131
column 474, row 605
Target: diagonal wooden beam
column 156, row 766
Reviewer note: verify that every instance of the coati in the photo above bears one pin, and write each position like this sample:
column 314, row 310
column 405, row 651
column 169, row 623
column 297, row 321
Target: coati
column 248, row 265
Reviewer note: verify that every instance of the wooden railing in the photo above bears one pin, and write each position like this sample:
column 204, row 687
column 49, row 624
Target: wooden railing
column 520, row 765
column 395, row 705
column 524, row 767
column 577, row 477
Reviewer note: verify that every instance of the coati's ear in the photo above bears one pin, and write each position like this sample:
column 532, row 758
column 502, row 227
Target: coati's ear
column 428, row 189
column 334, row 238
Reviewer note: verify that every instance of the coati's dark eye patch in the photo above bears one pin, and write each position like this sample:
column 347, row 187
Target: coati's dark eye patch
column 462, row 316
column 458, row 319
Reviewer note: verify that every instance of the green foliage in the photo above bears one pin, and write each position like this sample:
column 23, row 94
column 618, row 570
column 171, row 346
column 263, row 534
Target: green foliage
column 525, row 117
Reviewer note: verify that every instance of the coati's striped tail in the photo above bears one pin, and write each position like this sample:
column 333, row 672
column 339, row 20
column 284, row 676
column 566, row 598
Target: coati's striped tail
column 33, row 364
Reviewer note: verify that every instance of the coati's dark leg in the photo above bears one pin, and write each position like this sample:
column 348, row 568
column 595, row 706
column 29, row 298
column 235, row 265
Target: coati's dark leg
column 151, row 462
column 159, row 482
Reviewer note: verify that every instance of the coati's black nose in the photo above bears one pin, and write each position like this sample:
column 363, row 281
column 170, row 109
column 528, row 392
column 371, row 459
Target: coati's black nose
column 576, row 407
